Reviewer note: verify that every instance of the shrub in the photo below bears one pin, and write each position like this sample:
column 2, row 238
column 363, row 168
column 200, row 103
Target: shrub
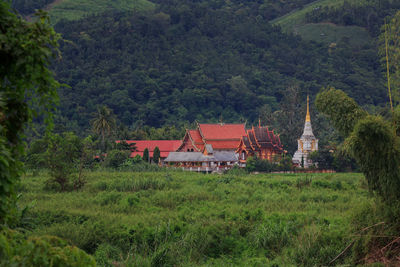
column 316, row 246
column 138, row 183
column 62, row 157
column 15, row 250
column 115, row 158
column 260, row 165
column 107, row 254
column 273, row 234
column 304, row 181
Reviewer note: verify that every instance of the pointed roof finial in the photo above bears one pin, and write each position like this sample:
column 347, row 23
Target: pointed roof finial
column 259, row 122
column 308, row 110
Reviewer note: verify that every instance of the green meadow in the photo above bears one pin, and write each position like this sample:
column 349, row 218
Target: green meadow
column 172, row 218
column 296, row 18
column 77, row 9
column 328, row 33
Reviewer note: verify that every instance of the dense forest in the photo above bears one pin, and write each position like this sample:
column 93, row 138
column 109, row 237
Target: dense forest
column 209, row 61
column 26, row 7
column 190, row 61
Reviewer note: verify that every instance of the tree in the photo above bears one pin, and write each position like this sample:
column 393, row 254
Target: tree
column 115, row 158
column 103, row 124
column 26, row 50
column 371, row 140
column 342, row 110
column 146, row 155
column 62, row 158
column 156, row 155
column 290, row 119
column 391, row 35
column 123, row 145
column 324, row 159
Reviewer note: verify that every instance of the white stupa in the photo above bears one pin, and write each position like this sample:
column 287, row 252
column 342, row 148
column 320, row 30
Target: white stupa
column 307, row 142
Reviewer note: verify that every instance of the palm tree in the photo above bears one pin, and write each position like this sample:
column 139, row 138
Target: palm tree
column 103, row 123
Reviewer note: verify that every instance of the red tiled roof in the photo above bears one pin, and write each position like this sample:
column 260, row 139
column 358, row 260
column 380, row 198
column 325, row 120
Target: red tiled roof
column 222, row 131
column 195, row 134
column 260, row 137
column 165, row 146
column 197, row 139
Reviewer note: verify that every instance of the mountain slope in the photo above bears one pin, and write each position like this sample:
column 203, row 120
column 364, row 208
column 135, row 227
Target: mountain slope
column 192, row 62
column 77, row 9
column 329, row 21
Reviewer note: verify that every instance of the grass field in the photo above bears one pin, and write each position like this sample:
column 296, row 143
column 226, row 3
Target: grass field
column 322, row 32
column 188, row 219
column 295, row 18
column 76, row 9
column 329, row 33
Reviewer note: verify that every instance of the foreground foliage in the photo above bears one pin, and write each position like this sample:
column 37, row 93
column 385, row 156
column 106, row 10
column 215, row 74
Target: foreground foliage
column 179, row 219
column 26, row 50
column 26, row 85
column 16, row 250
column 375, row 144
column 371, row 140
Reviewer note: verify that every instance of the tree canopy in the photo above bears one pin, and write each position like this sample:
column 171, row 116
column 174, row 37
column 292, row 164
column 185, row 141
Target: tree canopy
column 26, row 51
column 371, row 140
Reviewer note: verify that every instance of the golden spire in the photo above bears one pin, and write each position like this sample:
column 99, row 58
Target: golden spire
column 308, row 110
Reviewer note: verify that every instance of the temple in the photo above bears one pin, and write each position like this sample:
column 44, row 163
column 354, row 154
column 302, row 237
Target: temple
column 259, row 142
column 306, row 144
column 220, row 136
column 208, row 147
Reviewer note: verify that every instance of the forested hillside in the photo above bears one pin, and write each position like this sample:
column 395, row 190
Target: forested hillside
column 200, row 60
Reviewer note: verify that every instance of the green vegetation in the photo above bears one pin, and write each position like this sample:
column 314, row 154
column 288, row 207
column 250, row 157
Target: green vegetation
column 26, row 7
column 181, row 218
column 25, row 83
column 289, row 21
column 374, row 142
column 195, row 61
column 369, row 14
column 329, row 21
column 371, row 140
column 27, row 87
column 77, row 9
column 330, row 33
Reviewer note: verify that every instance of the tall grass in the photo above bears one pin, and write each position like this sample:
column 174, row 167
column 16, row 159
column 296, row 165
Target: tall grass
column 189, row 219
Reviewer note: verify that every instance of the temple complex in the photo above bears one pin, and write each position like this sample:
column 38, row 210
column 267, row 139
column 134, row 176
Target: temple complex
column 214, row 147
column 260, row 142
column 306, row 144
column 208, row 147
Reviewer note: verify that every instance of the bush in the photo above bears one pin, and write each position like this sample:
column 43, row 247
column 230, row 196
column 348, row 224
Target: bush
column 316, row 246
column 138, row 184
column 115, row 158
column 15, row 250
column 106, row 254
column 62, row 158
column 260, row 165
